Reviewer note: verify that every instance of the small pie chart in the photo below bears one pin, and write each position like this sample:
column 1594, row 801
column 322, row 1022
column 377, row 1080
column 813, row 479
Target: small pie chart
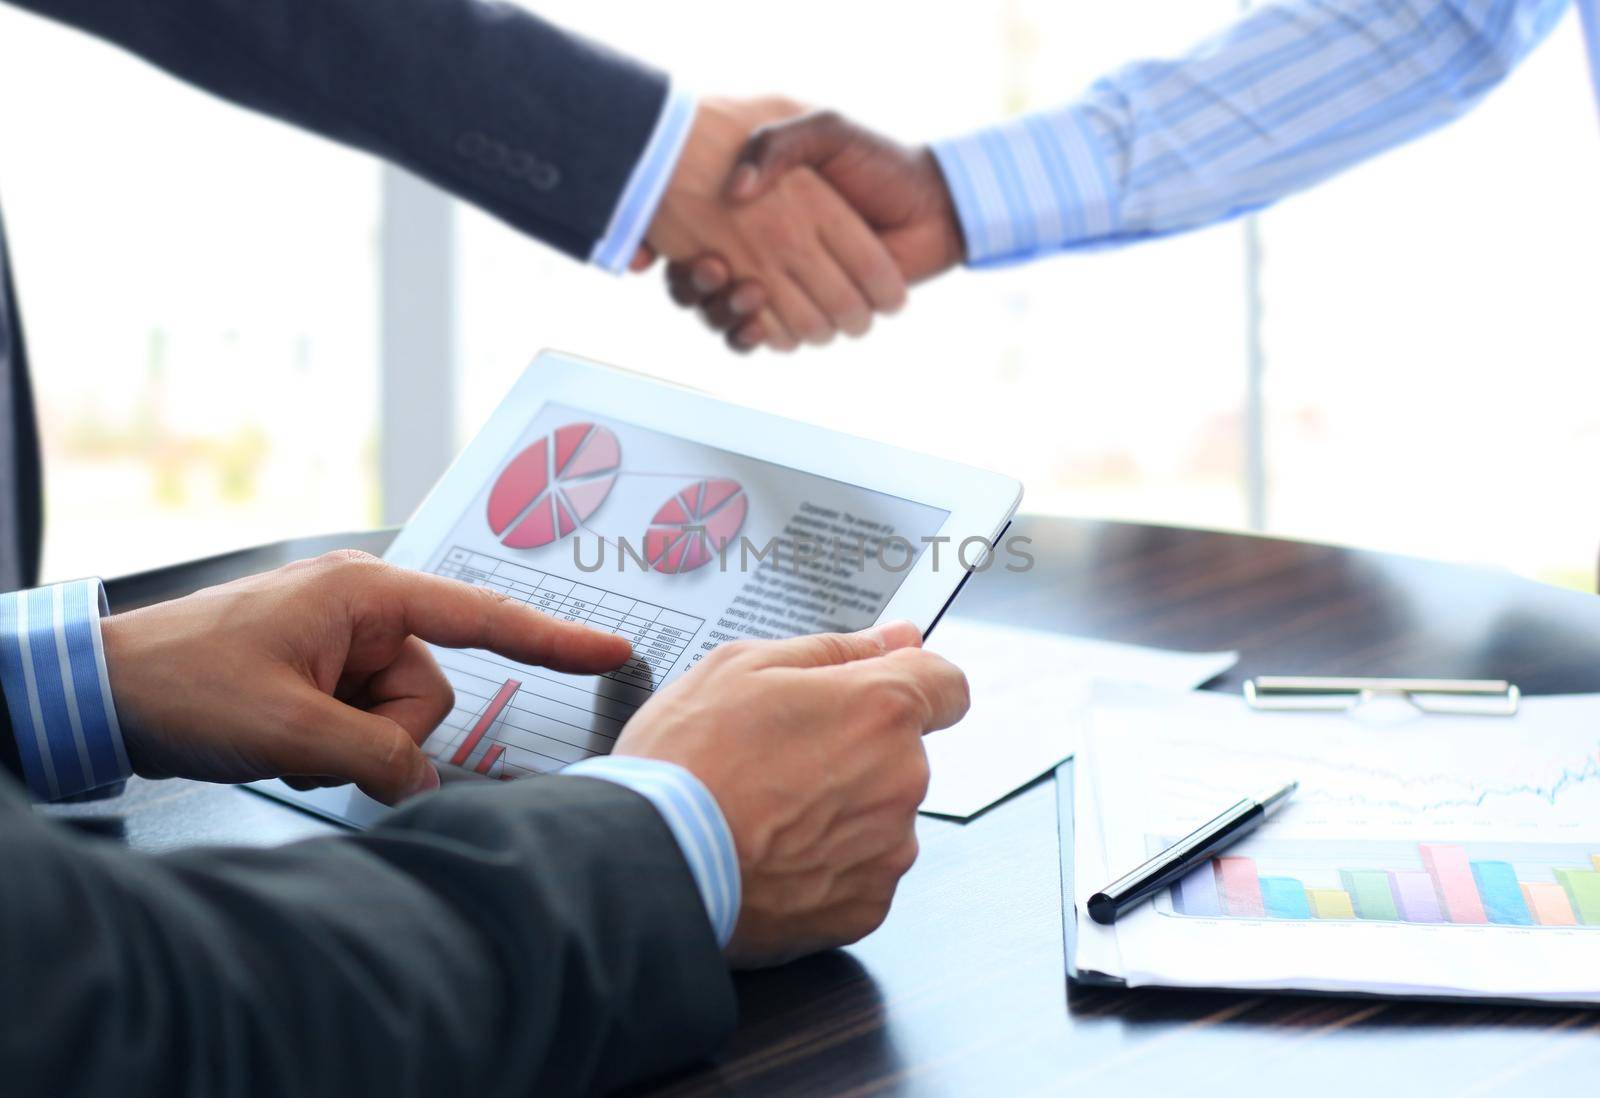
column 694, row 524
column 554, row 485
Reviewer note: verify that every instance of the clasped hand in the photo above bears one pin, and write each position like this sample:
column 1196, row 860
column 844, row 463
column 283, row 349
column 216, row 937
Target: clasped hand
column 782, row 227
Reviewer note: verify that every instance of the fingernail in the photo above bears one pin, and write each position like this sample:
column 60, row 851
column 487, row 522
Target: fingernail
column 744, row 181
column 746, row 299
column 429, row 781
column 703, row 282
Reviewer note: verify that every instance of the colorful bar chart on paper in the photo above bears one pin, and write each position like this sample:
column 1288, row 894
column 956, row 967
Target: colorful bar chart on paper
column 1524, row 885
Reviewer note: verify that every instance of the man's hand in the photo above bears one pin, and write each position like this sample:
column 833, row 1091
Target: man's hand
column 317, row 670
column 821, row 268
column 899, row 190
column 812, row 748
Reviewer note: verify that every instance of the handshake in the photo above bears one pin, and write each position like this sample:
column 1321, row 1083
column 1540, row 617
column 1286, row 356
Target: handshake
column 783, row 227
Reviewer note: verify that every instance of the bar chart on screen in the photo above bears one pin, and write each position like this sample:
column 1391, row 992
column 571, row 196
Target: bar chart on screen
column 511, row 720
column 1443, row 884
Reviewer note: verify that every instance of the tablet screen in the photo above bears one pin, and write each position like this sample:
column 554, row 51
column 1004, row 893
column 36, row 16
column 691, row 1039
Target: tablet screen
column 675, row 545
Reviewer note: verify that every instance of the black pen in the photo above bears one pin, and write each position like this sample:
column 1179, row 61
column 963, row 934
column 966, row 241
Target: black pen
column 1188, row 852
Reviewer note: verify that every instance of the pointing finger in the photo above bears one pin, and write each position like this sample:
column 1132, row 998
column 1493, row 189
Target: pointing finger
column 458, row 615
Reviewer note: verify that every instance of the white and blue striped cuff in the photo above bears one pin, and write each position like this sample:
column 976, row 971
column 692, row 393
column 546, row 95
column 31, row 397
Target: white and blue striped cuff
column 1589, row 16
column 691, row 813
column 53, row 672
column 1036, row 184
column 646, row 184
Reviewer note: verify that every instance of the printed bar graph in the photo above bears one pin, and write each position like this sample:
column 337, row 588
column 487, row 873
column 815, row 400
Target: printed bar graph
column 490, row 757
column 1196, row 894
column 1240, row 887
column 1469, row 884
column 1453, row 880
column 1331, row 903
column 1549, row 904
column 1371, row 894
column 1583, row 889
column 1285, row 898
column 1415, row 898
column 1501, row 893
column 480, row 727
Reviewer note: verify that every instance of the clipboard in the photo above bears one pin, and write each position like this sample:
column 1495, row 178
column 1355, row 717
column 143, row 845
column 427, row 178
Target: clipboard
column 1486, row 697
column 1066, row 813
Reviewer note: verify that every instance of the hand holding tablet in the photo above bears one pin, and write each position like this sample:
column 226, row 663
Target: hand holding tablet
column 679, row 523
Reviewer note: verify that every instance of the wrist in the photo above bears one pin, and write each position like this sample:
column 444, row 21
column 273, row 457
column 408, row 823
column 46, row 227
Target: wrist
column 645, row 192
column 951, row 242
column 120, row 637
column 695, row 818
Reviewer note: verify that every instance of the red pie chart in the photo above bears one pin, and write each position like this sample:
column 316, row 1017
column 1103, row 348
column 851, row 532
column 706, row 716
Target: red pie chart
column 693, row 525
column 554, row 485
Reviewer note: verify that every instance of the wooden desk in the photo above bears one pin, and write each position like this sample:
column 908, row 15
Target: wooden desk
column 962, row 990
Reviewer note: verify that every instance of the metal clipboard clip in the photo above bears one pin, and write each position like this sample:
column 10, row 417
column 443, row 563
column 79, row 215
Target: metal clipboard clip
column 1480, row 697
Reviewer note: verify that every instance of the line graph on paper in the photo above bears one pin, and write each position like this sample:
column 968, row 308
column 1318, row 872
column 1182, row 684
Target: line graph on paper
column 1449, row 780
column 1427, row 774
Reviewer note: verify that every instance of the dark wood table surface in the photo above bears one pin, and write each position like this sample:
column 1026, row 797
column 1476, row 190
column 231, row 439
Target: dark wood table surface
column 962, row 991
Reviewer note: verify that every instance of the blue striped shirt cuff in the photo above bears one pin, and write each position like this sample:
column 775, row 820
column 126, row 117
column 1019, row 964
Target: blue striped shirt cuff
column 1589, row 15
column 1031, row 186
column 648, row 181
column 53, row 672
column 695, row 820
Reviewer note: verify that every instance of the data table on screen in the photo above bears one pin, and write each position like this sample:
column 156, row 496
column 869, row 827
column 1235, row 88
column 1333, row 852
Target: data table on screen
column 510, row 720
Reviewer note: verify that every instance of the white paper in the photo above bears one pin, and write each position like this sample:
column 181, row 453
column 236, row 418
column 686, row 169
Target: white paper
column 1029, row 689
column 1473, row 839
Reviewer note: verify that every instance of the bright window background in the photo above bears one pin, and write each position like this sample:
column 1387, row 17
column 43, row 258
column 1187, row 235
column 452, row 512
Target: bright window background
column 198, row 286
column 200, row 289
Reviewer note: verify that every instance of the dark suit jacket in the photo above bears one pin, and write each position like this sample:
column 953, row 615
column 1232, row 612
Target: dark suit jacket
column 541, row 938
column 533, row 124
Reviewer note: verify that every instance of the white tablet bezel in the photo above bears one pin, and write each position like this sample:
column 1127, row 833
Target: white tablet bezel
column 979, row 503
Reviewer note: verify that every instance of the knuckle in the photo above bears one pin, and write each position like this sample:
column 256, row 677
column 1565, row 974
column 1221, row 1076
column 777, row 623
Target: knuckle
column 918, row 775
column 392, row 752
column 898, row 704
column 871, row 915
column 832, row 647
column 489, row 598
column 963, row 689
column 444, row 697
column 817, row 332
column 903, row 857
column 788, row 246
column 827, row 119
column 346, row 561
column 731, row 652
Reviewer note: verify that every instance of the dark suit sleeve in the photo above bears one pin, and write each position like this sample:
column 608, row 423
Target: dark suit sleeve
column 10, row 760
column 539, row 937
column 533, row 124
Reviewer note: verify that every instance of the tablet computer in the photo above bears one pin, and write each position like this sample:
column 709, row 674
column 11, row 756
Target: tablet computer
column 680, row 522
